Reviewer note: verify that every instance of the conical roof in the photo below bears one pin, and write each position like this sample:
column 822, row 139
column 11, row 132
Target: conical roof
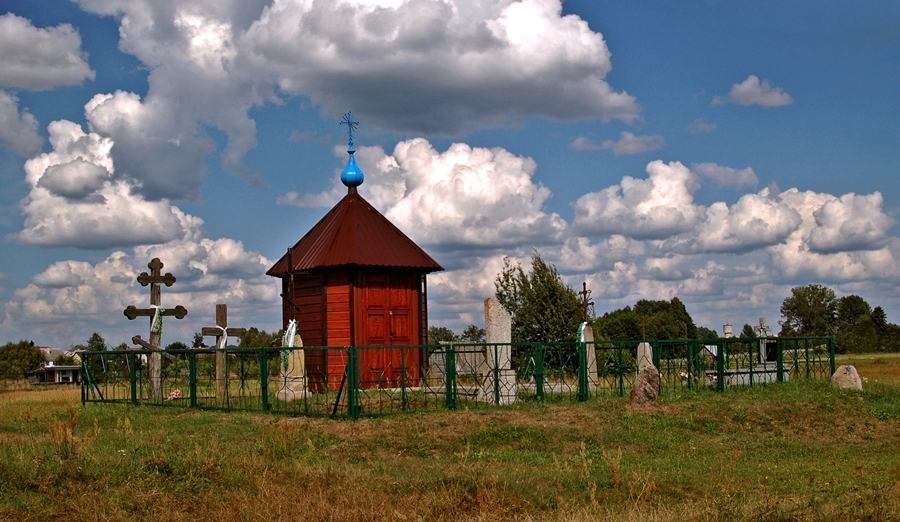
column 354, row 233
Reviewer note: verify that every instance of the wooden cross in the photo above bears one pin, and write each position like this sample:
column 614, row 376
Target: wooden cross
column 154, row 279
column 643, row 325
column 585, row 299
column 221, row 331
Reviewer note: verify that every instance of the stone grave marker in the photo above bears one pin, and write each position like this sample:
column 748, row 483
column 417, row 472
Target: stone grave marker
column 293, row 368
column 498, row 359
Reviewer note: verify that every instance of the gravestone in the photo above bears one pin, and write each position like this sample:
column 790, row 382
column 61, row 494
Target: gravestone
column 499, row 384
column 644, row 355
column 221, row 332
column 586, row 335
column 293, row 372
column 847, row 377
column 156, row 314
column 646, row 386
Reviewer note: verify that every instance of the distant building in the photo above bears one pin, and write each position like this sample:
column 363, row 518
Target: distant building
column 52, row 373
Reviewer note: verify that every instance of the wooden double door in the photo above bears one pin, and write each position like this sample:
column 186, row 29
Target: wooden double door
column 389, row 308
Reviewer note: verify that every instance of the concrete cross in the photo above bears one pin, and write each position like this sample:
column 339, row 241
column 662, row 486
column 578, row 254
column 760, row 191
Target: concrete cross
column 154, row 279
column 220, row 331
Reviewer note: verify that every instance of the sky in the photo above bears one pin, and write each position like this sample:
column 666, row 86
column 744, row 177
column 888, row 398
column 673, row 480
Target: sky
column 722, row 152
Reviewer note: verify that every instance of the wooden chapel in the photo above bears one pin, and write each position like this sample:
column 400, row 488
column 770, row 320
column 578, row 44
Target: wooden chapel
column 356, row 280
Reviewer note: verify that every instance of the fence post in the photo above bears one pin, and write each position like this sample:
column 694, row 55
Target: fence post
column 621, row 369
column 779, row 360
column 264, row 378
column 539, row 371
column 192, row 377
column 720, row 368
column 352, row 383
column 403, row 379
column 831, row 353
column 496, row 370
column 450, row 376
column 582, row 372
column 132, row 377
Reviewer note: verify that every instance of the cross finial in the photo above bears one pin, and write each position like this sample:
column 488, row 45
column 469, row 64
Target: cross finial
column 585, row 300
column 351, row 126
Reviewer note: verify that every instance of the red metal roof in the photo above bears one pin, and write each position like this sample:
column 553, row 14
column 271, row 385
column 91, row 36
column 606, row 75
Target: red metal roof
column 354, row 233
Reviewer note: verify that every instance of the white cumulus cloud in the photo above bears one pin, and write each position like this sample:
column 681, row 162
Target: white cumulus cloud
column 38, row 59
column 654, row 208
column 18, row 131
column 752, row 92
column 726, row 176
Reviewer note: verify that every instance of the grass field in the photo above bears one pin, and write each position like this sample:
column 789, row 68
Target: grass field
column 798, row 451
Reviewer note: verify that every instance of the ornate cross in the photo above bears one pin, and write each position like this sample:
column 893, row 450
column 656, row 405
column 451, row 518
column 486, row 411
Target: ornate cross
column 221, row 331
column 351, row 126
column 154, row 279
column 585, row 300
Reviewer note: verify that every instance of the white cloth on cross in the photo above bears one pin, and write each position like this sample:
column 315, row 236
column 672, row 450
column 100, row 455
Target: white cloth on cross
column 289, row 333
column 156, row 323
column 223, row 341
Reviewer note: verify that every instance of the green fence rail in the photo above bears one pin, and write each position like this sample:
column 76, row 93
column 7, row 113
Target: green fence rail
column 377, row 380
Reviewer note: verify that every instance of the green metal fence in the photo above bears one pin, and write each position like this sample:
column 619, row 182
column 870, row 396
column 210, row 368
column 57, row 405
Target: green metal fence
column 376, row 380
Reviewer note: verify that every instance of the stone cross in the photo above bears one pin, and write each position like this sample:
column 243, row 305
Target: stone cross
column 154, row 279
column 221, row 331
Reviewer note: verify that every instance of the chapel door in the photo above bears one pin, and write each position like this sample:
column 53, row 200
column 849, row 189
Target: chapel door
column 390, row 320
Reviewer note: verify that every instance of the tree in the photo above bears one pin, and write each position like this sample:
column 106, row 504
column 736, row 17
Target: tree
column 660, row 320
column 810, row 310
column 96, row 343
column 544, row 309
column 17, row 359
column 473, row 334
column 438, row 334
column 747, row 332
column 253, row 337
column 706, row 333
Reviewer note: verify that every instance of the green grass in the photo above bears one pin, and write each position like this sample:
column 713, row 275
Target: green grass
column 798, row 451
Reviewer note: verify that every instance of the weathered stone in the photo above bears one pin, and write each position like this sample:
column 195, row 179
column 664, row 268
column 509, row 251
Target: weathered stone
column 587, row 337
column 644, row 355
column 293, row 377
column 498, row 358
column 847, row 377
column 646, row 386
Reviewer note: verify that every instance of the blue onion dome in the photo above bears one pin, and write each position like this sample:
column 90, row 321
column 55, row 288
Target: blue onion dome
column 351, row 176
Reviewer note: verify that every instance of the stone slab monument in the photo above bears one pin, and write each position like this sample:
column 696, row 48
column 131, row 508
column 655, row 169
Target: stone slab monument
column 586, row 335
column 293, row 367
column 499, row 382
column 644, row 355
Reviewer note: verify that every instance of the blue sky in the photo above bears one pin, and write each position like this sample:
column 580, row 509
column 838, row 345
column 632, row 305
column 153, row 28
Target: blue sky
column 721, row 152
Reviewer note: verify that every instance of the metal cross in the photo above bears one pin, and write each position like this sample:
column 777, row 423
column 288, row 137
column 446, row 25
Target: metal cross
column 351, row 125
column 585, row 299
column 643, row 325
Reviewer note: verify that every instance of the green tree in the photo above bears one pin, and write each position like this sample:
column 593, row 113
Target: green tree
column 17, row 359
column 96, row 343
column 473, row 334
column 253, row 337
column 652, row 320
column 544, row 309
column 706, row 333
column 437, row 334
column 747, row 332
column 809, row 311
column 619, row 325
